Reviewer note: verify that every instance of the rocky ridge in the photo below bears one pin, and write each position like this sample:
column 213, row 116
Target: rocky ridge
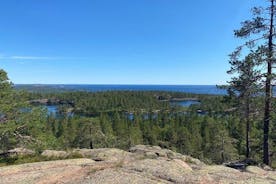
column 141, row 164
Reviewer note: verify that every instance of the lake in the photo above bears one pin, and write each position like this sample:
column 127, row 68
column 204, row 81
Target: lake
column 52, row 109
column 185, row 103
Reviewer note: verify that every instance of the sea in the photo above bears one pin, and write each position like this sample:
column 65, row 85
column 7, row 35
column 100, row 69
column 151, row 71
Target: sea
column 196, row 89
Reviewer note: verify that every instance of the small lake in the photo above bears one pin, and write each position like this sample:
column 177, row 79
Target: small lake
column 52, row 109
column 186, row 103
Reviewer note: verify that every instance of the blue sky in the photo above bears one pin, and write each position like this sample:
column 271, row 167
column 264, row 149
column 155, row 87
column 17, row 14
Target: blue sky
column 119, row 41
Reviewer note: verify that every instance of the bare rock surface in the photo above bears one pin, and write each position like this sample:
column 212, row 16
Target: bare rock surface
column 21, row 152
column 55, row 154
column 104, row 154
column 142, row 164
column 155, row 152
column 45, row 172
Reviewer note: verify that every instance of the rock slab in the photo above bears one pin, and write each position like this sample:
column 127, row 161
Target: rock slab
column 142, row 164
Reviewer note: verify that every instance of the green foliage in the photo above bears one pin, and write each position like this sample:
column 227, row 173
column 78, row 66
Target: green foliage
column 21, row 125
column 244, row 91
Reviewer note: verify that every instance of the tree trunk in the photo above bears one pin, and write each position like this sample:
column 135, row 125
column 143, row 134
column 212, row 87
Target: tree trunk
column 247, row 128
column 268, row 87
column 91, row 142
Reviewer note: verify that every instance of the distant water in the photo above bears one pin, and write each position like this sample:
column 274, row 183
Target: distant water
column 52, row 109
column 197, row 89
column 186, row 103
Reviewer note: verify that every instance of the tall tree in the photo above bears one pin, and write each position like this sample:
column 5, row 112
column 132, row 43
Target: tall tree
column 259, row 32
column 243, row 89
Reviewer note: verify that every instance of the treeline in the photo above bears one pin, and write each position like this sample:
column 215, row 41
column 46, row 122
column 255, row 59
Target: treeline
column 214, row 139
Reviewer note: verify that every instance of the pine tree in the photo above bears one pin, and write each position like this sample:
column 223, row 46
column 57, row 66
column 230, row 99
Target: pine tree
column 243, row 89
column 259, row 32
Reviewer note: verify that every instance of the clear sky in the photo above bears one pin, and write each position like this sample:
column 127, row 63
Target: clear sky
column 119, row 41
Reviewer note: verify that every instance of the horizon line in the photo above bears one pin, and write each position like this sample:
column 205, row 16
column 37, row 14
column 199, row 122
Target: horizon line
column 118, row 84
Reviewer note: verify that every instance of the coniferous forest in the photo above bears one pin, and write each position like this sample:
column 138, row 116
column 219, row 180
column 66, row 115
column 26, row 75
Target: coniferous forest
column 218, row 129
